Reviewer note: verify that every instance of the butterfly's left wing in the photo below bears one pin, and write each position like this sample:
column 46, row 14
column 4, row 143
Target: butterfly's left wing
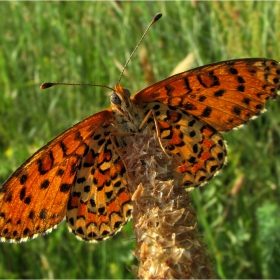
column 99, row 203
column 34, row 199
column 225, row 94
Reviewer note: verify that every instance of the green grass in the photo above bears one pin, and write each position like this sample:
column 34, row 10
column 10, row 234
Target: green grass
column 81, row 42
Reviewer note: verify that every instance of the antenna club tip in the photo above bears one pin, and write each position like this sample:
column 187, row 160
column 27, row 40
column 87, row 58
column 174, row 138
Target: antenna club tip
column 157, row 17
column 46, row 85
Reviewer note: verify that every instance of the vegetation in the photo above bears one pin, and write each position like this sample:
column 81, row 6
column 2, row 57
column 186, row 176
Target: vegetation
column 238, row 211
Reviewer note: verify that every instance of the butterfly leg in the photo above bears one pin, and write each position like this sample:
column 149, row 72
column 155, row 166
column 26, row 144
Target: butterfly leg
column 151, row 112
column 119, row 149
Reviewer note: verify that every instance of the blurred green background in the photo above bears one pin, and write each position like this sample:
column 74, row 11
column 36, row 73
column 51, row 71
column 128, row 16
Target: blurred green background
column 238, row 211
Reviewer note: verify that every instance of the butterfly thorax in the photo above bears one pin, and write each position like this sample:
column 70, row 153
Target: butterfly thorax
column 125, row 116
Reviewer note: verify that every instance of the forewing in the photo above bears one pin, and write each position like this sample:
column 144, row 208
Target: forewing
column 99, row 204
column 34, row 199
column 225, row 94
column 198, row 150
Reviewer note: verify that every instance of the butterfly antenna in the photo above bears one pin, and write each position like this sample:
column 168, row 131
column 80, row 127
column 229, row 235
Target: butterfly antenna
column 48, row 85
column 155, row 19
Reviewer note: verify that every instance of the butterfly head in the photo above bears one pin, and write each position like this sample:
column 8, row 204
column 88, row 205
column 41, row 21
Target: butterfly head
column 122, row 105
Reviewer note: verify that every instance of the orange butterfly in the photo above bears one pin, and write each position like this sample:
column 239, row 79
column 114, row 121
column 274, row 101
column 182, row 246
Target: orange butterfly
column 80, row 174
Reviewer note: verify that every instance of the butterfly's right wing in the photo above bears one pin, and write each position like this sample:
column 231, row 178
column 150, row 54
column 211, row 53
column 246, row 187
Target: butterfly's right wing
column 225, row 95
column 197, row 149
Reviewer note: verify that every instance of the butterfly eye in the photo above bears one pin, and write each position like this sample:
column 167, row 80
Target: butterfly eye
column 115, row 99
column 127, row 92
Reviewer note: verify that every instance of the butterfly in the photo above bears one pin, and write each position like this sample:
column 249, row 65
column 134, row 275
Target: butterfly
column 81, row 175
